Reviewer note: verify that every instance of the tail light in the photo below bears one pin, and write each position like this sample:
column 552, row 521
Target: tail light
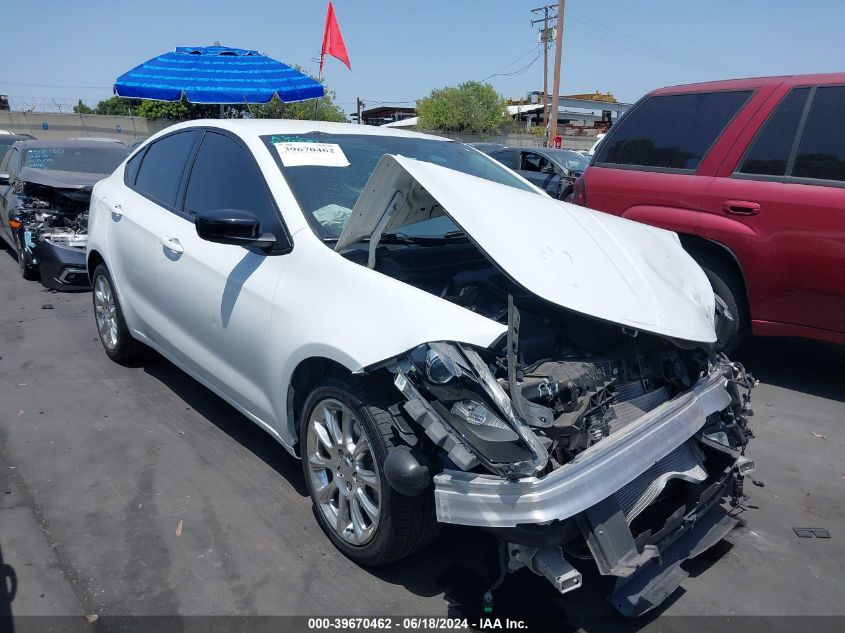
column 579, row 191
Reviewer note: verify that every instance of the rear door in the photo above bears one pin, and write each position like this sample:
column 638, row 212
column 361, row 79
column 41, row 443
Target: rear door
column 152, row 179
column 218, row 297
column 654, row 165
column 779, row 203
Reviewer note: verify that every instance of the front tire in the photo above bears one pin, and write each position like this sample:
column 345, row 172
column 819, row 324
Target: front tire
column 29, row 271
column 346, row 434
column 111, row 326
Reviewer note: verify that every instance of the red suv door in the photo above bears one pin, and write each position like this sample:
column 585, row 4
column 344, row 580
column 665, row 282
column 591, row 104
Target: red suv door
column 779, row 204
column 652, row 167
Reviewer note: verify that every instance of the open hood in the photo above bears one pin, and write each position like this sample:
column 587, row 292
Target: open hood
column 593, row 263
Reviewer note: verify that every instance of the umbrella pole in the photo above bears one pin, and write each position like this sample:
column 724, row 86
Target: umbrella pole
column 221, row 110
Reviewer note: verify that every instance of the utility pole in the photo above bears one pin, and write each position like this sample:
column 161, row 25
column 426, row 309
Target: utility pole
column 360, row 105
column 544, row 39
column 556, row 81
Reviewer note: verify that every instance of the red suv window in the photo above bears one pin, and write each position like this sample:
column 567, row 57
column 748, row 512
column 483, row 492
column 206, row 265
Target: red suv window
column 670, row 132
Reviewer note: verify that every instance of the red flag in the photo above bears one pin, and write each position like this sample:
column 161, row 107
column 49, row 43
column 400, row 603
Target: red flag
column 333, row 41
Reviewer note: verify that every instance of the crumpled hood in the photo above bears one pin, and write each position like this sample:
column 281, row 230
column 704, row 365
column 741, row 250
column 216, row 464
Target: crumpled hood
column 60, row 179
column 583, row 260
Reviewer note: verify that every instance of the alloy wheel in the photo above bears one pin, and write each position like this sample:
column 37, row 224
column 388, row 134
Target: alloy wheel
column 343, row 471
column 105, row 311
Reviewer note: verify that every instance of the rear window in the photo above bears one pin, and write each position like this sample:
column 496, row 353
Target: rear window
column 821, row 152
column 769, row 153
column 161, row 169
column 671, row 131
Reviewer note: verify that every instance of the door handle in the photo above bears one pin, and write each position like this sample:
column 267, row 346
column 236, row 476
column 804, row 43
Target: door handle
column 740, row 207
column 116, row 209
column 172, row 244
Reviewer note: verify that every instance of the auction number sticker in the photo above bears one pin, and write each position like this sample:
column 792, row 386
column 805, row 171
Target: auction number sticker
column 311, row 154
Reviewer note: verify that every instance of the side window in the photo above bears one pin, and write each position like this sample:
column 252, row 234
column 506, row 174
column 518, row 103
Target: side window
column 533, row 162
column 821, row 151
column 769, row 152
column 131, row 171
column 160, row 173
column 224, row 176
column 671, row 131
column 506, row 157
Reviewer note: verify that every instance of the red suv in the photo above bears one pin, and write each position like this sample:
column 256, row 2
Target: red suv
column 751, row 175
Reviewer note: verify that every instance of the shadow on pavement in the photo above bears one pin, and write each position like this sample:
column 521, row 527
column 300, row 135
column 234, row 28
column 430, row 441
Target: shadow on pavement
column 8, row 589
column 811, row 367
column 226, row 418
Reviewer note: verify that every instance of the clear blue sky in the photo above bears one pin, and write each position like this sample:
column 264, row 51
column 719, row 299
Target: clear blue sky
column 401, row 49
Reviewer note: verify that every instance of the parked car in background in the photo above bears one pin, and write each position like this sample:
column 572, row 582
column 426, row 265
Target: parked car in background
column 45, row 188
column 487, row 147
column 438, row 340
column 553, row 170
column 595, row 145
column 7, row 140
column 751, row 175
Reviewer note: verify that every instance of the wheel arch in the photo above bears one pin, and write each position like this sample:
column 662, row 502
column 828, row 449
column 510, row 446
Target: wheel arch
column 696, row 244
column 94, row 259
column 307, row 374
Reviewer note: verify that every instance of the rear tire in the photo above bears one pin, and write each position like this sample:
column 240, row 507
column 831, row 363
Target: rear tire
column 111, row 326
column 729, row 288
column 394, row 526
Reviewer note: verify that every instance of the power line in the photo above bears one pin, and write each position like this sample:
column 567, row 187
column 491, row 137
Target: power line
column 636, row 44
column 63, row 86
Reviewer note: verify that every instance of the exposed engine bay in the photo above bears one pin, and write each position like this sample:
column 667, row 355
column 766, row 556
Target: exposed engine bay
column 53, row 231
column 560, row 392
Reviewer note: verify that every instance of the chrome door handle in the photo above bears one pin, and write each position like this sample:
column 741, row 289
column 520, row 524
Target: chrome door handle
column 172, row 244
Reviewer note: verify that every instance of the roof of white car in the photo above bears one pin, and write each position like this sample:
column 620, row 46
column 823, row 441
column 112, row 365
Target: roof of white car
column 261, row 127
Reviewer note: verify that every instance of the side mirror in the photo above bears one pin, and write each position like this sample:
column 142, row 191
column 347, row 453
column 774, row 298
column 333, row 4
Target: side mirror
column 4, row 180
column 233, row 226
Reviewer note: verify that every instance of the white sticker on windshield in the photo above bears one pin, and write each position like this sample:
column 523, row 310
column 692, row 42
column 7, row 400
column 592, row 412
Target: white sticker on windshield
column 315, row 154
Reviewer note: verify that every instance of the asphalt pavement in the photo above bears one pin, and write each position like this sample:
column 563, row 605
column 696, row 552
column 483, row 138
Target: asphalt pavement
column 136, row 492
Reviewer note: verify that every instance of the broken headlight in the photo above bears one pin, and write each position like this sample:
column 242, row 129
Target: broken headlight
column 453, row 393
column 439, row 367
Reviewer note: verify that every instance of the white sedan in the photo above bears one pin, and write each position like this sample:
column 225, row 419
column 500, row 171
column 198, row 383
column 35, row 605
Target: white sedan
column 437, row 339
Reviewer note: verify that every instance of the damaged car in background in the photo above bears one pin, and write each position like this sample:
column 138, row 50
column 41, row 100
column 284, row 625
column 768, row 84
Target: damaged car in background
column 46, row 188
column 440, row 342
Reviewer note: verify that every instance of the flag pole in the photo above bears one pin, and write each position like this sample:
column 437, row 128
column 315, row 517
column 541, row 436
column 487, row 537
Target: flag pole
column 317, row 100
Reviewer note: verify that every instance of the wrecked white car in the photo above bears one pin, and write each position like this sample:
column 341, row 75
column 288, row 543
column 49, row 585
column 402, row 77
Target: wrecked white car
column 438, row 340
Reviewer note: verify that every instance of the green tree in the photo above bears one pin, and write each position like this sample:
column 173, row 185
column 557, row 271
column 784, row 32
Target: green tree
column 81, row 108
column 327, row 110
column 117, row 106
column 468, row 107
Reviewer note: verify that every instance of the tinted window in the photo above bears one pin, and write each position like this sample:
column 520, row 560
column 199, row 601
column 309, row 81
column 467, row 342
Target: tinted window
column 821, row 152
column 534, row 162
column 224, row 176
column 132, row 167
column 507, row 158
column 769, row 153
column 671, row 131
column 161, row 170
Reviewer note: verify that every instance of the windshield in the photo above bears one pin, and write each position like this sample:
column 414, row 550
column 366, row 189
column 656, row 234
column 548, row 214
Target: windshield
column 88, row 160
column 573, row 161
column 328, row 192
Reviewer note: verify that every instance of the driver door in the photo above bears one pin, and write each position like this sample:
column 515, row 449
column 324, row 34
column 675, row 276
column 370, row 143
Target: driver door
column 540, row 171
column 218, row 296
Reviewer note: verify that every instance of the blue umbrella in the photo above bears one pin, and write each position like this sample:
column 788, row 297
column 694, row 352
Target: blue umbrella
column 216, row 74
